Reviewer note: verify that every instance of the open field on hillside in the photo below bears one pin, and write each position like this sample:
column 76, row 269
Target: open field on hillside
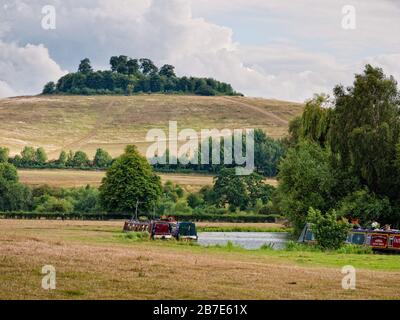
column 79, row 178
column 111, row 122
column 93, row 260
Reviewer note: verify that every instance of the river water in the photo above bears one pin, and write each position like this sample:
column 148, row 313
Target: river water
column 247, row 240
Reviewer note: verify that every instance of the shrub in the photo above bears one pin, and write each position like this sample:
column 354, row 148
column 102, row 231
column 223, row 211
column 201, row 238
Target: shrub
column 52, row 204
column 329, row 232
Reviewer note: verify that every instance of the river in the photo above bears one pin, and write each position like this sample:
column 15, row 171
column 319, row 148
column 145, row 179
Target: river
column 247, row 240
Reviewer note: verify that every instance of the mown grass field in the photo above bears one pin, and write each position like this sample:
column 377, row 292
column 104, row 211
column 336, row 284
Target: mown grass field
column 111, row 122
column 80, row 178
column 94, row 260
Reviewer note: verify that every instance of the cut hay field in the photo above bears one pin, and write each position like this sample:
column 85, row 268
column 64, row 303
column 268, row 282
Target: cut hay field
column 111, row 122
column 93, row 260
column 81, row 178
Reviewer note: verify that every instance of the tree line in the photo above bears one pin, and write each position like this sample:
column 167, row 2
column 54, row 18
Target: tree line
column 129, row 76
column 343, row 159
column 30, row 158
column 267, row 155
column 131, row 181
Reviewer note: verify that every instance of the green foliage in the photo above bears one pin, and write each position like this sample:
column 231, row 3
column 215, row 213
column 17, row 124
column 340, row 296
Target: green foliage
column 80, row 159
column 130, row 179
column 62, row 159
column 181, row 207
column 240, row 192
column 230, row 189
column 167, row 71
column 345, row 157
column 208, row 194
column 267, row 153
column 195, row 200
column 40, row 156
column 4, row 154
column 135, row 236
column 28, row 156
column 328, row 231
column 85, row 67
column 306, row 179
column 295, row 131
column 102, row 159
column 83, row 199
column 52, row 204
column 172, row 192
column 13, row 195
column 354, row 249
column 128, row 76
column 315, row 121
column 365, row 130
column 49, row 88
column 205, row 90
column 367, row 207
column 8, row 172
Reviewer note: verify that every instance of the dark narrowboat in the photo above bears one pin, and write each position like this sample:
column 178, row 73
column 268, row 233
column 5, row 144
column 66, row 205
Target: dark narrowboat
column 185, row 231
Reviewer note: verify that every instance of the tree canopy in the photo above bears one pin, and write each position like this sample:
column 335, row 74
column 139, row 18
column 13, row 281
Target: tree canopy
column 344, row 154
column 129, row 180
column 128, row 76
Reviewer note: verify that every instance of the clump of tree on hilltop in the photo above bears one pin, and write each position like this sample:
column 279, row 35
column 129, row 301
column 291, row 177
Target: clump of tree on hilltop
column 130, row 76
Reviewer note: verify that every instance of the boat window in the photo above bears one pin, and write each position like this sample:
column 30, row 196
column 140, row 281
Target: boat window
column 358, row 238
column 309, row 236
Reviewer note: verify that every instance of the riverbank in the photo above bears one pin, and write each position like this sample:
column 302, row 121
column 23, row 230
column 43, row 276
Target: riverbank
column 94, row 260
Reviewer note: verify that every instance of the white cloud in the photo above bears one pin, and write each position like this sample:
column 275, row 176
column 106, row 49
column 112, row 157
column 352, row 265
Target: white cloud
column 24, row 70
column 309, row 53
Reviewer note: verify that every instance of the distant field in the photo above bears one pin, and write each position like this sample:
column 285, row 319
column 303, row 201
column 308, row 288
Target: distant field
column 95, row 260
column 111, row 122
column 77, row 178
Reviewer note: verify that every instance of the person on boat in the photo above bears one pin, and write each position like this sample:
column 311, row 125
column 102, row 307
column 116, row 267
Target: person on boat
column 387, row 227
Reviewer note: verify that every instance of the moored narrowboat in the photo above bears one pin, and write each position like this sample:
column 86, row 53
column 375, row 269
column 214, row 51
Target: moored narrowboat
column 160, row 229
column 377, row 239
column 185, row 231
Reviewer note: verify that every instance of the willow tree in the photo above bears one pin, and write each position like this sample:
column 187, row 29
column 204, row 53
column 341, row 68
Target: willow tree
column 315, row 121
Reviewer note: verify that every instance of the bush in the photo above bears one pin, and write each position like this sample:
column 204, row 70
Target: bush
column 195, row 200
column 52, row 204
column 329, row 232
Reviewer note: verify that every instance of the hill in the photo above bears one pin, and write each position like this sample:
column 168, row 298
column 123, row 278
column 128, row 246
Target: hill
column 111, row 122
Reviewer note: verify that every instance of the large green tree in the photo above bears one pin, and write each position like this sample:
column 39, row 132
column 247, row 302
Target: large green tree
column 13, row 195
column 102, row 159
column 129, row 180
column 365, row 130
column 240, row 191
column 306, row 179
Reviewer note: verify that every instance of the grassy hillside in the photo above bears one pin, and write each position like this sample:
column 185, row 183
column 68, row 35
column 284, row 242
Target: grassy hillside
column 111, row 122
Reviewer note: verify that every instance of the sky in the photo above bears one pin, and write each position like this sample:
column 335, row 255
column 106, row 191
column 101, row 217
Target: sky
column 280, row 49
